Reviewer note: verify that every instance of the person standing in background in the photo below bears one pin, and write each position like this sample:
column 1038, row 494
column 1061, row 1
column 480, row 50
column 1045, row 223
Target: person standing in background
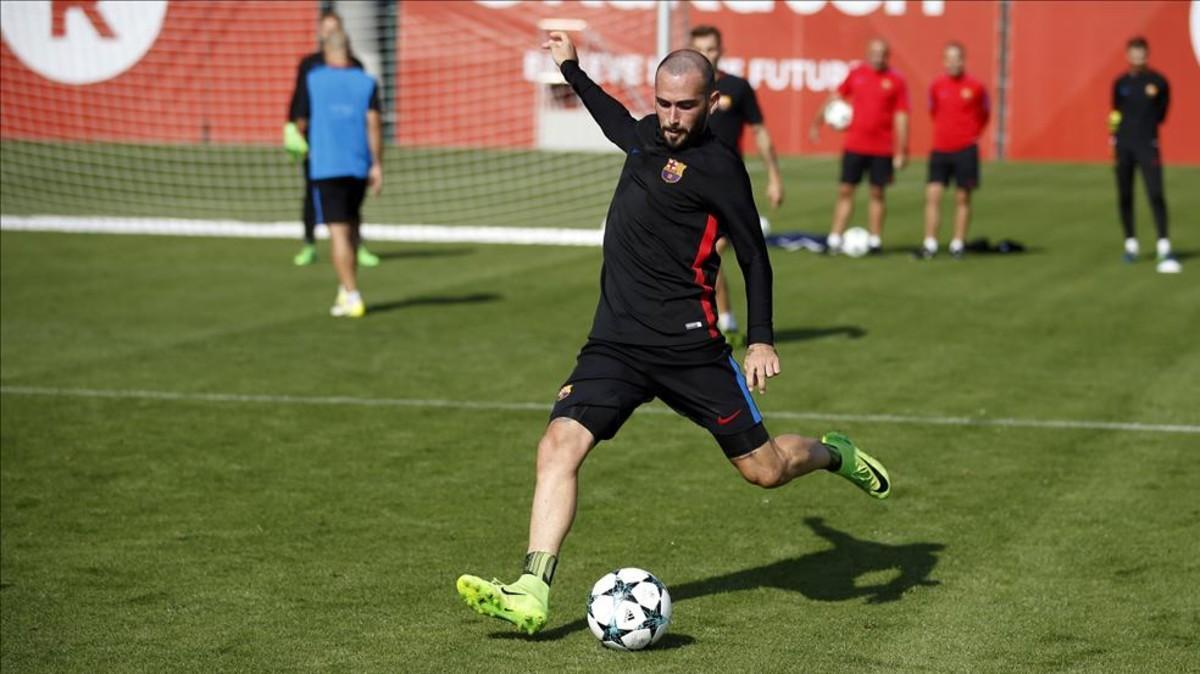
column 341, row 112
column 1140, row 99
column 736, row 108
column 960, row 109
column 876, row 142
column 296, row 143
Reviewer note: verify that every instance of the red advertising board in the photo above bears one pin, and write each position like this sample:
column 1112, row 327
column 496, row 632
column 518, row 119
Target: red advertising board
column 1065, row 57
column 470, row 74
column 219, row 72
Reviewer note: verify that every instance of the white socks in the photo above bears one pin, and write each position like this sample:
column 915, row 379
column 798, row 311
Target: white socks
column 874, row 241
column 727, row 323
column 834, row 242
column 931, row 245
column 1163, row 247
column 1131, row 246
column 956, row 246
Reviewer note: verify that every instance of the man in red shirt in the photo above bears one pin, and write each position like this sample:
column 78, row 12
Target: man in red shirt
column 876, row 142
column 960, row 109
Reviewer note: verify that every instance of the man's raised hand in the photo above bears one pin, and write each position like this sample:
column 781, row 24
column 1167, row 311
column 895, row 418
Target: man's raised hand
column 561, row 47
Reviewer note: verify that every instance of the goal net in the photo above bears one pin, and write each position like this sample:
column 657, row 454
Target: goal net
column 173, row 110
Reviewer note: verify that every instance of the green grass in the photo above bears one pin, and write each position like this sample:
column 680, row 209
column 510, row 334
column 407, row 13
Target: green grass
column 193, row 535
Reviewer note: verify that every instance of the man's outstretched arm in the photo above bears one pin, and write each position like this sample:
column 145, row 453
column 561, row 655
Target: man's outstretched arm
column 734, row 205
column 614, row 120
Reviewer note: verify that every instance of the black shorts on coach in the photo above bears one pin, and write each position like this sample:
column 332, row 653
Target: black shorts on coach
column 962, row 165
column 702, row 383
column 878, row 168
column 338, row 200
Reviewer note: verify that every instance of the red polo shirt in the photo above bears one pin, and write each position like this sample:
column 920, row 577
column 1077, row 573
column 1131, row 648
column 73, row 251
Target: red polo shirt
column 960, row 110
column 876, row 97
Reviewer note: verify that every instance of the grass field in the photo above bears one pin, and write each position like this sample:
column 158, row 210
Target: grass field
column 160, row 523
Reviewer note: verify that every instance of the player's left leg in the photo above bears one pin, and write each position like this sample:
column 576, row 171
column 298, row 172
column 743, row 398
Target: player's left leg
column 1152, row 175
column 962, row 220
column 882, row 170
column 715, row 395
column 349, row 301
column 876, row 213
column 786, row 457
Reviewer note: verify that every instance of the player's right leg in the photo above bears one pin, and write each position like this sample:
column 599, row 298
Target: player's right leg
column 308, row 254
column 526, row 602
column 933, row 216
column 1124, row 172
column 596, row 400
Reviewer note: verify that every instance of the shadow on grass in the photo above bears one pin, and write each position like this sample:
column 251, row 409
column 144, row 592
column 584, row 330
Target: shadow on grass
column 422, row 252
column 434, row 300
column 805, row 334
column 828, row 575
column 1185, row 255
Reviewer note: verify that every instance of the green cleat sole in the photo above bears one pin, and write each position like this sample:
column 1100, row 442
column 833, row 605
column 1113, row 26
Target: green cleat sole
column 483, row 598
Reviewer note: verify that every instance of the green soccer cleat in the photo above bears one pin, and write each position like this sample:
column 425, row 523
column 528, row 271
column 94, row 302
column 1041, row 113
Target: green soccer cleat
column 366, row 258
column 306, row 256
column 523, row 603
column 861, row 468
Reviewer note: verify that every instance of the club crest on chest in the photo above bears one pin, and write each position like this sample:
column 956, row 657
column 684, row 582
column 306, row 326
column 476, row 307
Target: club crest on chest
column 673, row 171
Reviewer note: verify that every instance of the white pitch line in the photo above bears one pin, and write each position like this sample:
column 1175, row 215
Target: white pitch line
column 126, row 394
column 528, row 236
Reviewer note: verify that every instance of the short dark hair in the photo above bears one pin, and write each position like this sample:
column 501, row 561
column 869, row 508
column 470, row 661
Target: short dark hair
column 955, row 44
column 706, row 31
column 1137, row 42
column 681, row 61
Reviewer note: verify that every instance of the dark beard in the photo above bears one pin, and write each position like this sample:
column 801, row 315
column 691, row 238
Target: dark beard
column 689, row 136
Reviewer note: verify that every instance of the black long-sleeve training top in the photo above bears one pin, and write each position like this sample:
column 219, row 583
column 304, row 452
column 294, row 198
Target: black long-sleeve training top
column 1142, row 99
column 669, row 209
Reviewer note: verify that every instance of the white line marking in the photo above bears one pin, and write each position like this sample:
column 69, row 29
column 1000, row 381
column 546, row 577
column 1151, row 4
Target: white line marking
column 527, row 236
column 1072, row 424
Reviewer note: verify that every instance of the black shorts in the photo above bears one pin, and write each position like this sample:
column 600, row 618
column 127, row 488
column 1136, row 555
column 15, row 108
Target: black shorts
column 878, row 168
column 703, row 384
column 338, row 200
column 962, row 165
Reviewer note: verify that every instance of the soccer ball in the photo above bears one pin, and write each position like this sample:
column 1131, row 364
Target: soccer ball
column 856, row 242
column 838, row 115
column 628, row 609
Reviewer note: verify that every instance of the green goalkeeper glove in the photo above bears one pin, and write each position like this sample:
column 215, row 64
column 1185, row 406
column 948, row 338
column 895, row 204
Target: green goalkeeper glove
column 1114, row 121
column 293, row 141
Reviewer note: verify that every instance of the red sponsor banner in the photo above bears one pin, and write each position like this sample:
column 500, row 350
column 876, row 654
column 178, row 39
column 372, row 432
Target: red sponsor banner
column 472, row 74
column 795, row 53
column 218, row 72
column 1065, row 58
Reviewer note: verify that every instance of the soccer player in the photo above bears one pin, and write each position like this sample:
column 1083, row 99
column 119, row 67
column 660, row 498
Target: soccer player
column 876, row 142
column 296, row 144
column 1140, row 99
column 341, row 112
column 654, row 332
column 736, row 108
column 960, row 110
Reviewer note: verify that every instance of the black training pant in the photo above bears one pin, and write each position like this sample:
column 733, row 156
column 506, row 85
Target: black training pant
column 1145, row 156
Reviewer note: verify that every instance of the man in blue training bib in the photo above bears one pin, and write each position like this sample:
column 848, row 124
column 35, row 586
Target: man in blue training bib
column 344, row 152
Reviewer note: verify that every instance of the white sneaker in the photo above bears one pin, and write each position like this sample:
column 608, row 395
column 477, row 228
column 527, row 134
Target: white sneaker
column 348, row 305
column 1169, row 265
